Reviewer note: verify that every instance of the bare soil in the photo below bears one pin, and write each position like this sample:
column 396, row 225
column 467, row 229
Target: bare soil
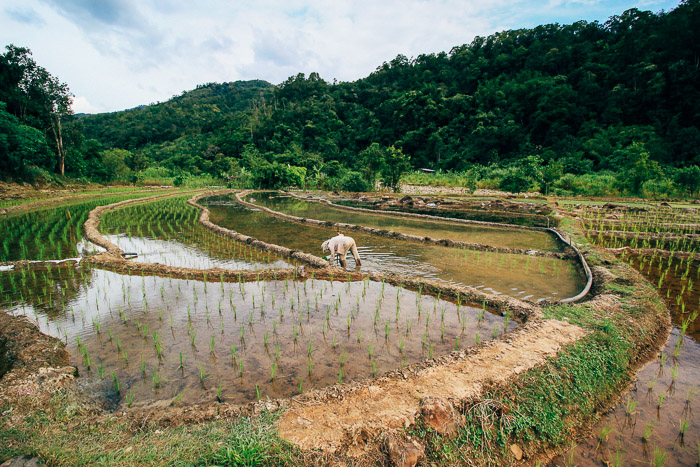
column 356, row 420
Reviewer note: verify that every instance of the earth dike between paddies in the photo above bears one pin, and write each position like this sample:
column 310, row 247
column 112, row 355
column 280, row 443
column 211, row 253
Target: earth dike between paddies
column 514, row 398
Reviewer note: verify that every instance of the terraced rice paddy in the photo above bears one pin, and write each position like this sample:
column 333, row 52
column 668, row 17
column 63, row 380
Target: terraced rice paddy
column 143, row 339
column 654, row 424
column 167, row 232
column 522, row 276
column 49, row 234
column 470, row 233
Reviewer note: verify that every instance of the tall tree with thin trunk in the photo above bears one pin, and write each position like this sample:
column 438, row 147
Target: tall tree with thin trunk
column 36, row 97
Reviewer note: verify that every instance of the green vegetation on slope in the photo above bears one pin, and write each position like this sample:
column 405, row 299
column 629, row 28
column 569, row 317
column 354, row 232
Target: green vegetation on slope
column 543, row 107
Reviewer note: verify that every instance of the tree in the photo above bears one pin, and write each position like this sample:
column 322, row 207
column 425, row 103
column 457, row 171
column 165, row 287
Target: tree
column 636, row 167
column 388, row 163
column 551, row 173
column 689, row 179
column 35, row 96
column 21, row 146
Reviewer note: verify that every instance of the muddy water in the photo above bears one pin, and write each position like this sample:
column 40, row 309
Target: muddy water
column 521, row 276
column 639, row 412
column 626, row 444
column 471, row 233
column 165, row 339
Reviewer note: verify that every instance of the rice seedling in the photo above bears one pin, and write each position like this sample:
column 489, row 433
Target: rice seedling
column 659, row 457
column 648, row 431
column 683, row 427
column 630, row 407
column 202, row 376
column 115, row 379
column 604, row 435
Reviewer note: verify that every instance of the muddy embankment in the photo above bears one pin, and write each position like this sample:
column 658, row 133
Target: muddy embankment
column 371, row 420
column 48, row 202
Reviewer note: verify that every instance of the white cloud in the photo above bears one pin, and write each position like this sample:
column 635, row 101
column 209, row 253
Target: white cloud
column 82, row 105
column 118, row 54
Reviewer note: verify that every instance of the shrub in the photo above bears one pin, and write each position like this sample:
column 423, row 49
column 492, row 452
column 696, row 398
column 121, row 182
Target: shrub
column 515, row 182
column 353, row 181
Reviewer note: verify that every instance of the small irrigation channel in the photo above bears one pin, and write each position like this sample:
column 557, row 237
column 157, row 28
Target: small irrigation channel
column 655, row 422
column 523, row 276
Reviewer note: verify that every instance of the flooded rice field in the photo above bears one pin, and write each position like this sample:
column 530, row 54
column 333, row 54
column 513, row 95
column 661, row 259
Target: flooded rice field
column 144, row 339
column 655, row 422
column 470, row 233
column 167, row 232
column 49, row 234
column 522, row 276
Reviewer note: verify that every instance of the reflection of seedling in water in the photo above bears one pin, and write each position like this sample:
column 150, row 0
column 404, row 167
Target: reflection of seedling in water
column 603, row 435
column 630, row 407
column 683, row 426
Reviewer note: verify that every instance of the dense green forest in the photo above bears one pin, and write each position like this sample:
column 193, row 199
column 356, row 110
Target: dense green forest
column 587, row 108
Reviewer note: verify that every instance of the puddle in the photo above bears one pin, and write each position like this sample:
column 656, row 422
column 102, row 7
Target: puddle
column 166, row 339
column 509, row 274
column 470, row 233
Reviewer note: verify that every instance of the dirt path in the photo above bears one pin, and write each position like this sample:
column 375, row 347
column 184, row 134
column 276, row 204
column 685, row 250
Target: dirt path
column 371, row 410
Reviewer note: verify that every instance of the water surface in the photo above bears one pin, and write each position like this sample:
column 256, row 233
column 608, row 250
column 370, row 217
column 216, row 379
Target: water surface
column 521, row 276
column 470, row 233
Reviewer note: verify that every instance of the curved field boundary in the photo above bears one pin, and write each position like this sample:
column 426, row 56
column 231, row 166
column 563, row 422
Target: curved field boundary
column 309, row 259
column 583, row 263
column 448, row 243
column 423, row 216
column 399, row 235
column 657, row 252
column 51, row 202
column 519, row 309
column 627, row 225
column 114, row 261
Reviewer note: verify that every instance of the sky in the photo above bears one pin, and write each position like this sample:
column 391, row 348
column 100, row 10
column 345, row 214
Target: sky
column 119, row 54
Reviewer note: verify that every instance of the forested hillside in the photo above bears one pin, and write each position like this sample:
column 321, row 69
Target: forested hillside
column 524, row 107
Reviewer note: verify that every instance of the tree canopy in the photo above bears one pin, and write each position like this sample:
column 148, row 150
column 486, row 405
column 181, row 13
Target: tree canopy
column 585, row 97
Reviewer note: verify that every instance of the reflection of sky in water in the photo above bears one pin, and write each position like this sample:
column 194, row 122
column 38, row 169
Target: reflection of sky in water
column 268, row 322
column 174, row 253
column 520, row 276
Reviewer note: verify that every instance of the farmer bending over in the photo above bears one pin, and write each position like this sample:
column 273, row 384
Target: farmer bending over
column 340, row 245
